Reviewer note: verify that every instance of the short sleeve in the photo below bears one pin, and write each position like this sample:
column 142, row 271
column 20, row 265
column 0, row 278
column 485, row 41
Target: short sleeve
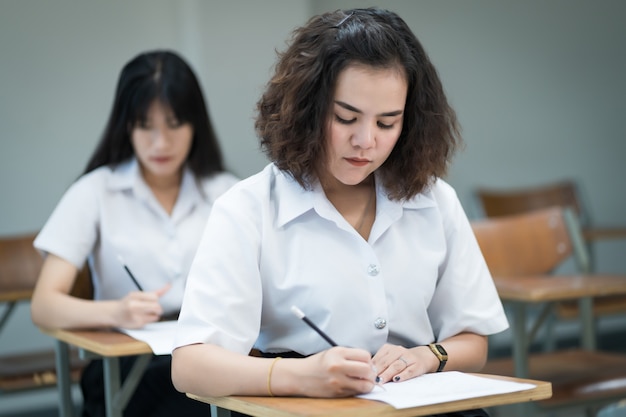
column 465, row 299
column 71, row 230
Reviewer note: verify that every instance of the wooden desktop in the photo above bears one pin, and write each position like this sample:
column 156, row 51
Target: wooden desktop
column 110, row 345
column 358, row 407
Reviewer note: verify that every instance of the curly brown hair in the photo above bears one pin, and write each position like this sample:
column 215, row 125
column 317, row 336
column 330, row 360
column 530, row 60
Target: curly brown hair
column 296, row 107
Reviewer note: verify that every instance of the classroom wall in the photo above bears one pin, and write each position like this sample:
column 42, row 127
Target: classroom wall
column 539, row 89
column 59, row 62
column 538, row 86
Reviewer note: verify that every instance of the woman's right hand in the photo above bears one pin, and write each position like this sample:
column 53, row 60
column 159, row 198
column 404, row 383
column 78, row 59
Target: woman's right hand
column 336, row 372
column 52, row 305
column 139, row 308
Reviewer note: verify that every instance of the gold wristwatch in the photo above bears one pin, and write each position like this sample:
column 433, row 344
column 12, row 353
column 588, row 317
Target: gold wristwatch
column 440, row 353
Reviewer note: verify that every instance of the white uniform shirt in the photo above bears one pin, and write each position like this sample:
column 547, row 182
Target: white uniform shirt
column 420, row 278
column 107, row 214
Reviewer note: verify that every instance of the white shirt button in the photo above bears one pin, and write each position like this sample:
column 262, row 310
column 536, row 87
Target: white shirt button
column 373, row 270
column 380, row 323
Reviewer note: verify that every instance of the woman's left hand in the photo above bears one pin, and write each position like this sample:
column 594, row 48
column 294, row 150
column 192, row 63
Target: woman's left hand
column 397, row 363
column 467, row 352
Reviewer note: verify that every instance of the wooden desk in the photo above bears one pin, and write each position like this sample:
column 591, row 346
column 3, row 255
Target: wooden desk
column 600, row 233
column 359, row 407
column 108, row 346
column 111, row 345
column 520, row 292
column 602, row 371
column 559, row 288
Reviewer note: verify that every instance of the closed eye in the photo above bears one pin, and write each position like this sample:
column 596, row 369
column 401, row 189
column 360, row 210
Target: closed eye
column 384, row 126
column 174, row 123
column 143, row 124
column 344, row 121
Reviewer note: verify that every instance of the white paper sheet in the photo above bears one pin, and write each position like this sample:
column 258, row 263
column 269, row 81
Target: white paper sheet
column 441, row 387
column 159, row 335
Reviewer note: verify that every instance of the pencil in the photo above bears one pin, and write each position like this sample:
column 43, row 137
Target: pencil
column 312, row 325
column 130, row 274
column 295, row 310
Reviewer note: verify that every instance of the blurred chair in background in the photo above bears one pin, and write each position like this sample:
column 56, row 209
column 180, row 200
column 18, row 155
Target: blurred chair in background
column 522, row 251
column 503, row 202
column 19, row 268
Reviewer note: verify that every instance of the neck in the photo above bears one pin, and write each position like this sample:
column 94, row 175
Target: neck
column 332, row 187
column 164, row 189
column 162, row 183
column 356, row 203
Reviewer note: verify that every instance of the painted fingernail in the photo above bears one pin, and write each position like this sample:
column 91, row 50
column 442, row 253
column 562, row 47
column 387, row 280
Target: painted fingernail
column 396, row 378
column 377, row 379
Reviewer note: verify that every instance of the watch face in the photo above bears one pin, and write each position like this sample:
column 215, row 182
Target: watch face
column 441, row 350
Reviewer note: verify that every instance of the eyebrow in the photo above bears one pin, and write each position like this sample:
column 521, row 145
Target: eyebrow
column 354, row 109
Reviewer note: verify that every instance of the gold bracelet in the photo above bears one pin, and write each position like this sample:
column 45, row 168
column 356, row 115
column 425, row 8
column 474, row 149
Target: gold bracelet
column 269, row 375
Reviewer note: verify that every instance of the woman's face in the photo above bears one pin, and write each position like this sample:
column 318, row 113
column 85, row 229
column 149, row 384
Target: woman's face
column 367, row 114
column 161, row 144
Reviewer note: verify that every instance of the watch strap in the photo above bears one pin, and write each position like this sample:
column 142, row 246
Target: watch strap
column 440, row 353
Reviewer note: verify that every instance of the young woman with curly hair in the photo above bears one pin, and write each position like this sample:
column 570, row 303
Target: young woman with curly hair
column 350, row 222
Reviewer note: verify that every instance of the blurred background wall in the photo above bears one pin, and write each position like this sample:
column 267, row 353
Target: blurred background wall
column 538, row 86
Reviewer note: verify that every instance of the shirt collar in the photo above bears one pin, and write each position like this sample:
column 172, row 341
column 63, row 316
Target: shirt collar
column 124, row 175
column 127, row 176
column 292, row 200
column 295, row 200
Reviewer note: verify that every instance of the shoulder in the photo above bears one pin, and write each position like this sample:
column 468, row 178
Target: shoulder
column 257, row 192
column 442, row 198
column 443, row 192
column 217, row 184
column 244, row 207
column 93, row 182
column 259, row 183
column 439, row 194
column 450, row 208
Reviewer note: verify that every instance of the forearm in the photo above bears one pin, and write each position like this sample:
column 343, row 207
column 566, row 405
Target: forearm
column 63, row 311
column 53, row 307
column 467, row 352
column 209, row 370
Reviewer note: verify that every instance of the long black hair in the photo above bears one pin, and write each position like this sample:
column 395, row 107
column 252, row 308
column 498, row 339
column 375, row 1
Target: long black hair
column 164, row 76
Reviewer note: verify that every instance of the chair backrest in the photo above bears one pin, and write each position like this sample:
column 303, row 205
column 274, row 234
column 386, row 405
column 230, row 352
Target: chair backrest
column 19, row 267
column 20, row 264
column 530, row 243
column 83, row 286
column 504, row 202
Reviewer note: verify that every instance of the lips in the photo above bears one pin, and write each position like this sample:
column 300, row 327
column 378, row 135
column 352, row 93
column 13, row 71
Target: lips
column 161, row 159
column 358, row 162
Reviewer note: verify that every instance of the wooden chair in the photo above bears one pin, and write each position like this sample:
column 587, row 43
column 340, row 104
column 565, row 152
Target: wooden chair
column 504, row 202
column 20, row 264
column 521, row 252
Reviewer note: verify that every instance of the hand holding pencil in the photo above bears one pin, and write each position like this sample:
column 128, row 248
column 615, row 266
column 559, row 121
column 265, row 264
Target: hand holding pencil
column 351, row 355
column 138, row 308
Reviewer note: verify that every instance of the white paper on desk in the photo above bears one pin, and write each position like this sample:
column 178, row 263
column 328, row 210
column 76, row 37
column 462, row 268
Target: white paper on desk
column 159, row 335
column 441, row 387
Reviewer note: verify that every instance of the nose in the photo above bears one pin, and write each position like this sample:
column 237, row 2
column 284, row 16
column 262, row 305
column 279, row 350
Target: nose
column 364, row 136
column 158, row 136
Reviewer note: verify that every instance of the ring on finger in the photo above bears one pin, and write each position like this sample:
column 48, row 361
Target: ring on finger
column 406, row 364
